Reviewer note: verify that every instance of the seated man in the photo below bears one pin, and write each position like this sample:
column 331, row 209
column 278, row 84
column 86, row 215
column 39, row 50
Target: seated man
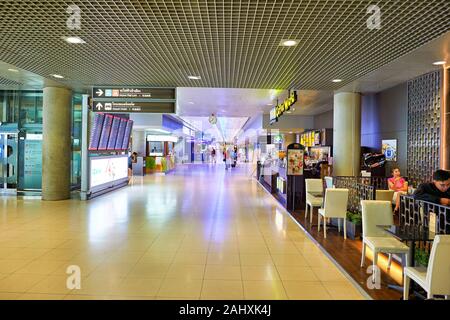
column 437, row 191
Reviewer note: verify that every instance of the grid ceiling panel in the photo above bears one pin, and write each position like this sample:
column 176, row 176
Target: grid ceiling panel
column 228, row 43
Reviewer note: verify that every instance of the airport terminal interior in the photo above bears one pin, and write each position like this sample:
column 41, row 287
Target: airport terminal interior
column 224, row 150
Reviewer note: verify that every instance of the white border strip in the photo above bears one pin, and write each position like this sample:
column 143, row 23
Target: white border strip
column 345, row 273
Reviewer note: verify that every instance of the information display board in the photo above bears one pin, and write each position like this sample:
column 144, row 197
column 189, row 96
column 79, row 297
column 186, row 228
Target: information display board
column 114, row 133
column 96, row 131
column 121, row 134
column 126, row 139
column 104, row 170
column 32, row 174
column 106, row 130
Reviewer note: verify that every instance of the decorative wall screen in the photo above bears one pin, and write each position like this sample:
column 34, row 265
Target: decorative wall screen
column 424, row 126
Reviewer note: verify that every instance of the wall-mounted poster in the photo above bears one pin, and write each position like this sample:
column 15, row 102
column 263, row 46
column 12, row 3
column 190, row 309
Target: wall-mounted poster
column 295, row 162
column 389, row 149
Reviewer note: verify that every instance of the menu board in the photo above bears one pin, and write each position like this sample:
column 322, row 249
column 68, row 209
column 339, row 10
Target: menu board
column 295, row 162
column 114, row 132
column 106, row 129
column 126, row 139
column 96, row 131
column 121, row 133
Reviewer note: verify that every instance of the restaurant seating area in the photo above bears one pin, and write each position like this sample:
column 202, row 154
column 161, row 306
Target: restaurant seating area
column 386, row 239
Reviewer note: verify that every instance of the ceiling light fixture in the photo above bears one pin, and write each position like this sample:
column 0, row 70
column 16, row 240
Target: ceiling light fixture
column 190, row 102
column 439, row 63
column 336, row 80
column 57, row 76
column 74, row 40
column 289, row 43
column 13, row 70
column 194, row 77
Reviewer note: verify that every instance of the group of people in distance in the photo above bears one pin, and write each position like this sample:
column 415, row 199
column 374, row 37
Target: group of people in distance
column 437, row 191
column 230, row 156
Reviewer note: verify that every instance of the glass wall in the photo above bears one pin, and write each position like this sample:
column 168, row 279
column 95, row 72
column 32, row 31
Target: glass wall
column 21, row 114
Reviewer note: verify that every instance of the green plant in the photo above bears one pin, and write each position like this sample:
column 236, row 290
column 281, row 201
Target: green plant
column 150, row 163
column 354, row 217
column 164, row 164
column 421, row 257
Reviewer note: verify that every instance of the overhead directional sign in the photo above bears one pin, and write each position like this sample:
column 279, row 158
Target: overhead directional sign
column 133, row 92
column 131, row 107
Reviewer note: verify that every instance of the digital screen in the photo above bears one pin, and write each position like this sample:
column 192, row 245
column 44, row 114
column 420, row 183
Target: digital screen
column 106, row 129
column 96, row 131
column 105, row 170
column 126, row 139
column 114, row 132
column 120, row 135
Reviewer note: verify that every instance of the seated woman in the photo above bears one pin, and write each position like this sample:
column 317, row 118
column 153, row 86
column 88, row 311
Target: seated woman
column 399, row 185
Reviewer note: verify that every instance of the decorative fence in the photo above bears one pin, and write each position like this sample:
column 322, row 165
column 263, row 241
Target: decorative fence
column 360, row 188
column 417, row 212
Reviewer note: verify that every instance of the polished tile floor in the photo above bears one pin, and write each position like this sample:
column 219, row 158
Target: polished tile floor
column 198, row 233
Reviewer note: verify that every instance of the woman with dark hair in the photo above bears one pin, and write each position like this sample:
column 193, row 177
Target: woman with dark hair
column 399, row 185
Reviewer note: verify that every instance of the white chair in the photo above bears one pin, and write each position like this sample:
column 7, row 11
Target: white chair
column 329, row 182
column 435, row 279
column 336, row 201
column 379, row 213
column 313, row 185
column 384, row 195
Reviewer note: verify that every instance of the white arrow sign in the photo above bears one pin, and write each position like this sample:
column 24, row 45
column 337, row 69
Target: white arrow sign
column 99, row 106
column 99, row 92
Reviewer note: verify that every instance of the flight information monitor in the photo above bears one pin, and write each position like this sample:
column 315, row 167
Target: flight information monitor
column 96, row 131
column 126, row 139
column 106, row 129
column 114, row 132
column 121, row 134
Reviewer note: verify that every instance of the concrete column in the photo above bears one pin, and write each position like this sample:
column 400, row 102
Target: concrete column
column 139, row 142
column 445, row 120
column 346, row 134
column 56, row 143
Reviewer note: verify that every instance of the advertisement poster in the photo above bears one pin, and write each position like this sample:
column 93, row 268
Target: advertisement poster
column 389, row 149
column 104, row 170
column 295, row 162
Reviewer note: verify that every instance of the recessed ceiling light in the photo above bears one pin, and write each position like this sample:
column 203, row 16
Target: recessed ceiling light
column 57, row 76
column 336, row 80
column 439, row 63
column 288, row 112
column 194, row 77
column 13, row 70
column 74, row 40
column 270, row 104
column 289, row 43
column 190, row 102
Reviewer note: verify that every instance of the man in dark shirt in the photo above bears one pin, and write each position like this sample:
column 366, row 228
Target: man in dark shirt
column 437, row 191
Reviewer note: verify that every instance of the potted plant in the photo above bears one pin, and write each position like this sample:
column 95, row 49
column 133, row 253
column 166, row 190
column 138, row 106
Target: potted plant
column 163, row 164
column 150, row 164
column 354, row 225
column 421, row 257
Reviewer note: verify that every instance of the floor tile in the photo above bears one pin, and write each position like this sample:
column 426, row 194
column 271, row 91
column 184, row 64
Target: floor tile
column 218, row 272
column 222, row 290
column 264, row 290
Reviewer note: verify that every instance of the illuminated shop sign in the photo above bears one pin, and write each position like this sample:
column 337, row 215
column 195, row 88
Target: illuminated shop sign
column 281, row 108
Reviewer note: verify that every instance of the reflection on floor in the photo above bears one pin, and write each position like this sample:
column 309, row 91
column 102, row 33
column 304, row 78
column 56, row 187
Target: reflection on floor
column 198, row 233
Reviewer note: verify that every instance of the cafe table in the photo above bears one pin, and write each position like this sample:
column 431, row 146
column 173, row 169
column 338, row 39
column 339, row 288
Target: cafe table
column 411, row 234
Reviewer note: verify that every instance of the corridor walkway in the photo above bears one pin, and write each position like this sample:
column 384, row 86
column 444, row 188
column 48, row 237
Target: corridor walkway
column 198, row 233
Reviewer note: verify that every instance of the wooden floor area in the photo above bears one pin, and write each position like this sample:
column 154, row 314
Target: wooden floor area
column 347, row 253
